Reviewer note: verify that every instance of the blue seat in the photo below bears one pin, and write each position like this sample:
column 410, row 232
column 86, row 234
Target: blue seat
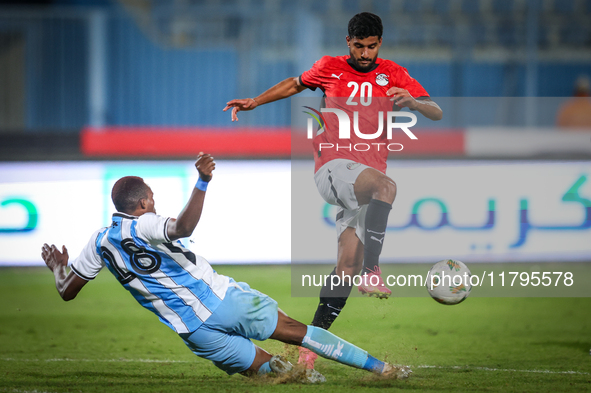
column 574, row 34
column 543, row 32
column 382, row 7
column 319, row 6
column 507, row 34
column 349, row 6
column 258, row 5
column 392, row 35
column 564, row 6
column 503, row 6
column 470, row 7
column 413, row 35
column 287, row 6
column 441, row 7
column 478, row 33
column 444, row 34
column 412, row 6
column 335, row 37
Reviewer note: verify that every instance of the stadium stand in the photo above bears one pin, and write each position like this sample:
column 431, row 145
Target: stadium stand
column 170, row 64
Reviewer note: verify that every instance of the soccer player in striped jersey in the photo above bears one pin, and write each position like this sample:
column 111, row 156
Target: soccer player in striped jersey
column 364, row 86
column 214, row 315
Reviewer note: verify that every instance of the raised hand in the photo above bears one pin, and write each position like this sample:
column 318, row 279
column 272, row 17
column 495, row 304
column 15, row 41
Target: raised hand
column 53, row 257
column 205, row 164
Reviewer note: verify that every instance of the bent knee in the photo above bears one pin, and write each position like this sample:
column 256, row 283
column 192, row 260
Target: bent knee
column 385, row 190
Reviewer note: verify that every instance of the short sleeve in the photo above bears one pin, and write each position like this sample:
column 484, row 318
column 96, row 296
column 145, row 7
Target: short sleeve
column 313, row 77
column 152, row 228
column 410, row 84
column 89, row 263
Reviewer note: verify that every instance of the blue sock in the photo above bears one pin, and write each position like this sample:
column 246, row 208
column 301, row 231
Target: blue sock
column 327, row 345
column 264, row 369
column 373, row 364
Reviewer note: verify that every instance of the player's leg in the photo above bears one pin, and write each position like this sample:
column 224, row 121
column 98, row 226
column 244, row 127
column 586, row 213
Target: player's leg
column 231, row 353
column 349, row 263
column 245, row 314
column 260, row 363
column 377, row 191
column 335, row 182
column 334, row 298
column 373, row 184
column 224, row 338
column 234, row 353
column 332, row 347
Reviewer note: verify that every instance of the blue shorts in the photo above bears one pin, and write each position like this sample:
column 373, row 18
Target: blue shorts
column 224, row 338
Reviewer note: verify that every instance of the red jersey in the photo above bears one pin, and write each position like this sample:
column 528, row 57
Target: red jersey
column 352, row 91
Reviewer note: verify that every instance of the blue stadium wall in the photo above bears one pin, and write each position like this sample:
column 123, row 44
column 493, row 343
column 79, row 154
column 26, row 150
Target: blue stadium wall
column 147, row 84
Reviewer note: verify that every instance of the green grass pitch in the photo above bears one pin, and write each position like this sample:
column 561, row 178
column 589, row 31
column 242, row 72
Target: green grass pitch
column 103, row 341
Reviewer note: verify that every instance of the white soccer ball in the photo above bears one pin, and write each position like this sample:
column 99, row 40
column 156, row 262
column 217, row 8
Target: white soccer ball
column 448, row 282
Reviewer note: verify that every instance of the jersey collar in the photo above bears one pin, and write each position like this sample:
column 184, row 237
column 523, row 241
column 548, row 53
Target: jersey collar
column 124, row 215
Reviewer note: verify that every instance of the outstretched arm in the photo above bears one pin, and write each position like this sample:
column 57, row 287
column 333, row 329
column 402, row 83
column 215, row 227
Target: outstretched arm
column 188, row 218
column 68, row 284
column 283, row 89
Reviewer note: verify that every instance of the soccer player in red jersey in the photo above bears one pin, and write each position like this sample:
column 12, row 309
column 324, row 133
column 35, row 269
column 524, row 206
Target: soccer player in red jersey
column 354, row 181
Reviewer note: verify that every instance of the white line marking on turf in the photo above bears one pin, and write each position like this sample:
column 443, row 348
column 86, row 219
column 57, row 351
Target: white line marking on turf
column 187, row 361
column 503, row 369
column 96, row 360
column 24, row 391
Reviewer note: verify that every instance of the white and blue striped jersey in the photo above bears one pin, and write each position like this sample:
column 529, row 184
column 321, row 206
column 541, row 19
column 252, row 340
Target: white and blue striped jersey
column 163, row 276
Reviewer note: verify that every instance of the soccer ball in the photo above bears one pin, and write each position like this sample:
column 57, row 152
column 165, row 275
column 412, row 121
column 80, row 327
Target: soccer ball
column 448, row 282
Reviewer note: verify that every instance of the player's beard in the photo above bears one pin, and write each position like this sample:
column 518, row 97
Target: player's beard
column 361, row 66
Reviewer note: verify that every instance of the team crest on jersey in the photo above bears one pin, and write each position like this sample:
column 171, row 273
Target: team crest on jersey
column 382, row 79
column 352, row 165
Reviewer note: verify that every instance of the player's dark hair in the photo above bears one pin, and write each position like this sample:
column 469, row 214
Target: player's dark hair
column 127, row 193
column 365, row 24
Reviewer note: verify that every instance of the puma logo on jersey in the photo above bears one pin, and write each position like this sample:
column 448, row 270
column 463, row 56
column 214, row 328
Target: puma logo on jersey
column 337, row 76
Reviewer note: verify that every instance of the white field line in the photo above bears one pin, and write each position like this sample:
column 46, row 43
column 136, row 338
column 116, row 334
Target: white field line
column 503, row 369
column 187, row 361
column 122, row 360
column 24, row 391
